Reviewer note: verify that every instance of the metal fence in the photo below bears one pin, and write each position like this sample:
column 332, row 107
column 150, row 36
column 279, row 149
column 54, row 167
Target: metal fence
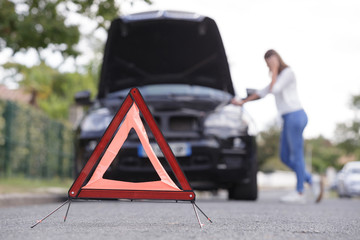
column 32, row 145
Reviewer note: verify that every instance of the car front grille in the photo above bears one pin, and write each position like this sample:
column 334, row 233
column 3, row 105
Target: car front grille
column 183, row 123
column 184, row 162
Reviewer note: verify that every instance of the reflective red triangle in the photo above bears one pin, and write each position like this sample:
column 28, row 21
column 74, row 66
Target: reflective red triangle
column 131, row 121
column 97, row 187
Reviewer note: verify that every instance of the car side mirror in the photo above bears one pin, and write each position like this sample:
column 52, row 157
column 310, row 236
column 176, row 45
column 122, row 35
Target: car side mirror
column 83, row 98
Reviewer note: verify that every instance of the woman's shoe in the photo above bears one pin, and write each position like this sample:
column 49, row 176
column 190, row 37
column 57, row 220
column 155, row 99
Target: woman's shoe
column 294, row 197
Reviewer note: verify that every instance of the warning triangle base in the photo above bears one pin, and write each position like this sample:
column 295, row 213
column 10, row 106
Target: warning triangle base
column 195, row 206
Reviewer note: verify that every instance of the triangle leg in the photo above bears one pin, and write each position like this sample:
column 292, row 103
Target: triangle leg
column 39, row 221
column 202, row 212
column 197, row 215
column 67, row 211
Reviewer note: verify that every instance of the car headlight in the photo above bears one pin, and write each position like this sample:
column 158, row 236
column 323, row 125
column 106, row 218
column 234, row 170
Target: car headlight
column 238, row 143
column 97, row 120
column 227, row 121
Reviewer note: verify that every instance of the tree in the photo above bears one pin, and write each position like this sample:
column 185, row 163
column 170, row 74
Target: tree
column 45, row 25
column 36, row 24
column 348, row 134
column 268, row 149
column 36, row 80
column 321, row 154
column 51, row 90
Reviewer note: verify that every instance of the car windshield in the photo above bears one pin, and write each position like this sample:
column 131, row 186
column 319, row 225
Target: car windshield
column 176, row 91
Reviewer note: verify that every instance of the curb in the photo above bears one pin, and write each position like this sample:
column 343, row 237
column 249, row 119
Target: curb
column 23, row 199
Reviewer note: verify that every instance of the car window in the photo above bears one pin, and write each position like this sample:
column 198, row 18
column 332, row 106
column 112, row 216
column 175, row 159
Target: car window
column 355, row 170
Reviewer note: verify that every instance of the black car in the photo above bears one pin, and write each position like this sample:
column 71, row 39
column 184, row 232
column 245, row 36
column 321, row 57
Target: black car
column 178, row 62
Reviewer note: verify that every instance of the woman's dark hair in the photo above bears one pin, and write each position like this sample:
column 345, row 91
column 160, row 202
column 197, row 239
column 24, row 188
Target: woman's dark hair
column 272, row 52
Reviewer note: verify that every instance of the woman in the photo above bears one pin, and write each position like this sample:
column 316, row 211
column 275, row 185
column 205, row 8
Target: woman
column 283, row 87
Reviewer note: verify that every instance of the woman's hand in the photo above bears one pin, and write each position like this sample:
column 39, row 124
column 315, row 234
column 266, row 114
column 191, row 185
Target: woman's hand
column 273, row 64
column 237, row 102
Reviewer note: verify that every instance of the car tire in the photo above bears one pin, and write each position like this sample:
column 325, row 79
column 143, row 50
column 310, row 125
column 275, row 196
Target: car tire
column 245, row 191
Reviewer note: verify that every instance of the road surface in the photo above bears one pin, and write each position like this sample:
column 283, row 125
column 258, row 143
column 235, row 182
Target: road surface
column 265, row 219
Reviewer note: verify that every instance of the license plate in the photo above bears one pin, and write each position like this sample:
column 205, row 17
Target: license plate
column 178, row 148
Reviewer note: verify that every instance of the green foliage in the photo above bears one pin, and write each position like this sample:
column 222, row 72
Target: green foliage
column 42, row 24
column 268, row 149
column 52, row 90
column 355, row 103
column 347, row 135
column 272, row 164
column 102, row 10
column 322, row 154
column 36, row 24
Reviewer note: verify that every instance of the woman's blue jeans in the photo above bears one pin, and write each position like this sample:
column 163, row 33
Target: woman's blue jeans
column 292, row 146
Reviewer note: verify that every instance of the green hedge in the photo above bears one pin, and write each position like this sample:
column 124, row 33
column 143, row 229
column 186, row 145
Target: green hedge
column 33, row 145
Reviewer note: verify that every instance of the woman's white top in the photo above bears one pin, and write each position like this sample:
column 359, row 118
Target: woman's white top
column 285, row 92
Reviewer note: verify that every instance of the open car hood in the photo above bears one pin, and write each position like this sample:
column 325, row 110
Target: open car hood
column 164, row 47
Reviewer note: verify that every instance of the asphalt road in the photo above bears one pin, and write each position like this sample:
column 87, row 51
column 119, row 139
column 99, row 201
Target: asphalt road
column 264, row 219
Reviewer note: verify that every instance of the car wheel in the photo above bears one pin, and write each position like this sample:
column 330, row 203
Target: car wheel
column 245, row 191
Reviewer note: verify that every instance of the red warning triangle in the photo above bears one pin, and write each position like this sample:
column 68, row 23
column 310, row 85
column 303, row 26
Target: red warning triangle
column 93, row 185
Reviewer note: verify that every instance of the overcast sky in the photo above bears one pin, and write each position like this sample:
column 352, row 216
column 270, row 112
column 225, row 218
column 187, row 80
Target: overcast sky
column 319, row 39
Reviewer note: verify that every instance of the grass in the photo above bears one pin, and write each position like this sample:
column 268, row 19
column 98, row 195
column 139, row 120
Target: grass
column 25, row 185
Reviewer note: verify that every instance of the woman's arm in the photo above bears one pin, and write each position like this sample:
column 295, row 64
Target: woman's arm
column 252, row 97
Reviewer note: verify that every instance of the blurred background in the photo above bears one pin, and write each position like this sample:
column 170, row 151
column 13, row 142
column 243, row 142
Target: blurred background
column 49, row 50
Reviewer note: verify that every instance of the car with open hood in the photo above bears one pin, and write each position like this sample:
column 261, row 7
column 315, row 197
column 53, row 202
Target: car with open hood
column 178, row 62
